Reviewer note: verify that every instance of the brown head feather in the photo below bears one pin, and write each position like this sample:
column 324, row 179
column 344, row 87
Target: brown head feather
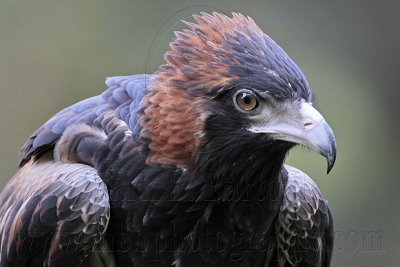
column 196, row 64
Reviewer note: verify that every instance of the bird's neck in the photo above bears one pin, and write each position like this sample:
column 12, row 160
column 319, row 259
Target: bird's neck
column 243, row 170
column 244, row 181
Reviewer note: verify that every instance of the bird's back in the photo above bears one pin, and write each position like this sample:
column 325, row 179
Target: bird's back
column 104, row 132
column 122, row 99
column 99, row 137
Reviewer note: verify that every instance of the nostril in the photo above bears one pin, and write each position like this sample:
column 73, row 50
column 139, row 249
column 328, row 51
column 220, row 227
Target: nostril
column 308, row 124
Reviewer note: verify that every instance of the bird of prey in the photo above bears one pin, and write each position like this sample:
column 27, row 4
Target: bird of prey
column 184, row 167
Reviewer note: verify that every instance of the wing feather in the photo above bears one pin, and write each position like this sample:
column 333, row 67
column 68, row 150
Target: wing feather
column 52, row 213
column 304, row 227
column 123, row 97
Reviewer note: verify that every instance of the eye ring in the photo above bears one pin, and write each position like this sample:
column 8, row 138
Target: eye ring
column 245, row 100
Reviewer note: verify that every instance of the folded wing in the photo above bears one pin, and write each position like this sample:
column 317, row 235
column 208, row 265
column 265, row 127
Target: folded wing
column 52, row 213
column 304, row 227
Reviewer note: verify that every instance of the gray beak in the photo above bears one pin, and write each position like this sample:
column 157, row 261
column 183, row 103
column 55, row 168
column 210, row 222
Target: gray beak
column 310, row 130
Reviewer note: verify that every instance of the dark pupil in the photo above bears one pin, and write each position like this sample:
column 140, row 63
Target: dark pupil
column 246, row 98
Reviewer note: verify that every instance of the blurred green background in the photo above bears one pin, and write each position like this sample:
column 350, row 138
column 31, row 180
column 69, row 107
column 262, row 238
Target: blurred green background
column 55, row 53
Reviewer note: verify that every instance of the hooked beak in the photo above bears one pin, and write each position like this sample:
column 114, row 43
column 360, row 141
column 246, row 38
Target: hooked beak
column 311, row 130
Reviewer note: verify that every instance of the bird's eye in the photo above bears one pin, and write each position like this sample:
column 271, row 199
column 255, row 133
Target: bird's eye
column 246, row 101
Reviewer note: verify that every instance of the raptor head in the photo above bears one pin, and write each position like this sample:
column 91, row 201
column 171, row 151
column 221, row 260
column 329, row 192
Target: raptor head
column 228, row 87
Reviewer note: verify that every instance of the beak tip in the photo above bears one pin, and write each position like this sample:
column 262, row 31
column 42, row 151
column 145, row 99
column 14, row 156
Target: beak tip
column 328, row 150
column 330, row 166
column 331, row 158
